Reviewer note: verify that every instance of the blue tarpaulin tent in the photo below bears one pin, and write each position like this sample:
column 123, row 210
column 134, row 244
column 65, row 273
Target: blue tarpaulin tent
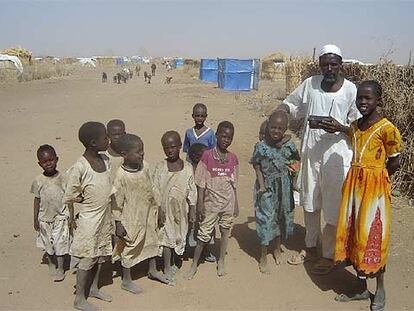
column 238, row 74
column 179, row 62
column 120, row 61
column 209, row 70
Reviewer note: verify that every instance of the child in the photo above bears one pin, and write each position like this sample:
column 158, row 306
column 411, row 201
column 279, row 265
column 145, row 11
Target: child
column 262, row 130
column 51, row 216
column 137, row 225
column 115, row 129
column 216, row 179
column 89, row 184
column 194, row 154
column 199, row 133
column 176, row 195
column 363, row 229
column 273, row 193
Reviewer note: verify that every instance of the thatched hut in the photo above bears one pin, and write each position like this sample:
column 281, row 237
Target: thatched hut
column 273, row 67
column 23, row 54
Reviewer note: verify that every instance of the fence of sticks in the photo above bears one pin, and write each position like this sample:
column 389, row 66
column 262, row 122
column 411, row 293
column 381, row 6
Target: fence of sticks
column 398, row 104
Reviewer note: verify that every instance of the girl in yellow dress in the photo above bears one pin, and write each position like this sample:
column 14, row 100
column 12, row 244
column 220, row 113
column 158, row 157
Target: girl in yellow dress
column 363, row 230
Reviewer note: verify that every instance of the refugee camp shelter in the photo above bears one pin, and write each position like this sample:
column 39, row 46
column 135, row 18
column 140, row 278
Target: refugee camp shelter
column 273, row 67
column 10, row 67
column 238, row 74
column 179, row 62
column 209, row 70
column 87, row 61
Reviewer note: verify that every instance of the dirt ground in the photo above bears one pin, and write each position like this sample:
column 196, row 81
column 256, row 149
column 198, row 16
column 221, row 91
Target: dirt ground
column 51, row 111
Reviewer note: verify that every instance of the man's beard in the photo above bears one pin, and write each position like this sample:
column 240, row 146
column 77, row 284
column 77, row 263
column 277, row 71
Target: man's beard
column 330, row 78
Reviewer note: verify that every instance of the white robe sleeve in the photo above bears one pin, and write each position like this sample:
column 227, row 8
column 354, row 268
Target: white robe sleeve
column 296, row 103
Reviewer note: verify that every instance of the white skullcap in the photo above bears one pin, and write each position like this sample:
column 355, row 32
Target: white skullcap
column 330, row 49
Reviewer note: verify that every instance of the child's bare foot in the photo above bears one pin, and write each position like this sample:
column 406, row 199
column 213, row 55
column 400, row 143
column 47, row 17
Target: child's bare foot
column 84, row 306
column 378, row 303
column 158, row 276
column 277, row 255
column 96, row 293
column 355, row 296
column 131, row 287
column 59, row 276
column 192, row 273
column 263, row 265
column 221, row 271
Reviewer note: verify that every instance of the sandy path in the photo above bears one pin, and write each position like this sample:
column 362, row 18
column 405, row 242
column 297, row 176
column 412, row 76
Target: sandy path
column 51, row 111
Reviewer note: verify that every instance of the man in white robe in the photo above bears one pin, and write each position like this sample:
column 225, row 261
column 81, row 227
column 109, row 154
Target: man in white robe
column 325, row 152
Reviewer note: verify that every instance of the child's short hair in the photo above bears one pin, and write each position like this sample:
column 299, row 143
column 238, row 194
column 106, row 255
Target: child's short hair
column 263, row 125
column 376, row 87
column 281, row 115
column 115, row 123
column 225, row 125
column 128, row 141
column 90, row 130
column 45, row 148
column 170, row 134
column 200, row 106
column 195, row 149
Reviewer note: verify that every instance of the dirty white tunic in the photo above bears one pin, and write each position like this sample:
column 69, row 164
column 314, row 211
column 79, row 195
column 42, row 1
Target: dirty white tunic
column 325, row 157
column 138, row 214
column 53, row 215
column 174, row 192
column 114, row 164
column 92, row 237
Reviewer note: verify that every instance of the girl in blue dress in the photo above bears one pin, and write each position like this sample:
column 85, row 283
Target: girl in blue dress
column 275, row 160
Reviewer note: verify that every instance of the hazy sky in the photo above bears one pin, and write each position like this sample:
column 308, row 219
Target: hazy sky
column 364, row 30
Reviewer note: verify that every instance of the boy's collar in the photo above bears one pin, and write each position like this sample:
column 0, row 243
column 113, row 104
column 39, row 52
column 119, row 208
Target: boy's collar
column 216, row 156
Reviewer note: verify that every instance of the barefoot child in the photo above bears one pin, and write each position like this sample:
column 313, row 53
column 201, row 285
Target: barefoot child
column 363, row 229
column 51, row 216
column 216, row 179
column 89, row 184
column 115, row 129
column 176, row 195
column 194, row 154
column 199, row 133
column 273, row 193
column 137, row 225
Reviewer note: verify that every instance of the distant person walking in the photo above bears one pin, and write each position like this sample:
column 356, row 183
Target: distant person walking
column 137, row 69
column 153, row 67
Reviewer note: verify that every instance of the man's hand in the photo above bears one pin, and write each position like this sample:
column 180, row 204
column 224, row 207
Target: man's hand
column 120, row 231
column 332, row 126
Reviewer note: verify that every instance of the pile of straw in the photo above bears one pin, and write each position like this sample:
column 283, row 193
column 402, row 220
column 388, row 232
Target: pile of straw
column 398, row 106
column 45, row 70
column 294, row 72
column 105, row 61
column 23, row 54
